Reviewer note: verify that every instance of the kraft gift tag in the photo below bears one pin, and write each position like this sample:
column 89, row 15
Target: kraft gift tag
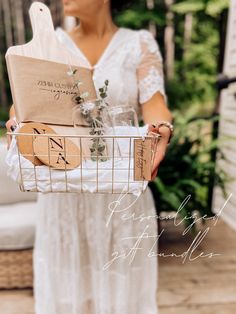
column 142, row 159
column 25, row 142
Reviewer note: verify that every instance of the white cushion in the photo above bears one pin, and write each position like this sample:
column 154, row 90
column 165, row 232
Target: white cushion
column 17, row 225
column 9, row 190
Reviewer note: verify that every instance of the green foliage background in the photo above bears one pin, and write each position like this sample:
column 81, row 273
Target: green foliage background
column 197, row 72
column 189, row 167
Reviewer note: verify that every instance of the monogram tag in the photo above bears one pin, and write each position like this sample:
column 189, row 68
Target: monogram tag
column 25, row 142
column 57, row 152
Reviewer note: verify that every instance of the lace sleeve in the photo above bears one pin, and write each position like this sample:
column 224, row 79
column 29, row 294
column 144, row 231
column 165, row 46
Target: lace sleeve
column 150, row 68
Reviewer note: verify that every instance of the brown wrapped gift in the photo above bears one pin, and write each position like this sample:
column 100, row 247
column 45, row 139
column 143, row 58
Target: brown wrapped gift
column 43, row 91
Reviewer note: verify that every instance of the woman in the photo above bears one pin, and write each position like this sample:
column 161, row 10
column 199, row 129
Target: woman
column 94, row 253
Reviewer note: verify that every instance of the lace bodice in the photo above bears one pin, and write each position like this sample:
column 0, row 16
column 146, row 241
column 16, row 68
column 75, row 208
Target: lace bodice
column 132, row 63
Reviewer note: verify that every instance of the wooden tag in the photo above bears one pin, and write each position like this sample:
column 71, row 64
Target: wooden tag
column 82, row 143
column 142, row 159
column 57, row 152
column 25, row 142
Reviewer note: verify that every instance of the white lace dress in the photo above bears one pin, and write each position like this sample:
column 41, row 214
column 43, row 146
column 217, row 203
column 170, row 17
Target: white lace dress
column 89, row 257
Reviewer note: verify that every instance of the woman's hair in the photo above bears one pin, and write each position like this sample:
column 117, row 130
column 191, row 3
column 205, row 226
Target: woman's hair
column 119, row 5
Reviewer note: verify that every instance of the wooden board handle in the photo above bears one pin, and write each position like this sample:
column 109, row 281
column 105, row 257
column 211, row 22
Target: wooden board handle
column 41, row 19
column 45, row 43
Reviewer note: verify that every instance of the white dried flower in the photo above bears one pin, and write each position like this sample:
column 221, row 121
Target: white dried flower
column 88, row 106
column 78, row 83
column 71, row 72
column 84, row 95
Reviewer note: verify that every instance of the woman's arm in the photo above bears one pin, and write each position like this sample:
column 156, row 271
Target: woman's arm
column 12, row 112
column 10, row 123
column 11, row 116
column 155, row 110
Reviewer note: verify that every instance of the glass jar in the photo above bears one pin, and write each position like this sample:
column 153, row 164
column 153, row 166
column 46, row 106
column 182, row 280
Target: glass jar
column 124, row 115
column 123, row 123
column 88, row 120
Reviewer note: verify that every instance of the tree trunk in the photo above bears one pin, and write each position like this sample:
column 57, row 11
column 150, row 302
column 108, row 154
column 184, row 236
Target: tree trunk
column 7, row 22
column 19, row 26
column 152, row 25
column 169, row 41
column 188, row 26
column 3, row 94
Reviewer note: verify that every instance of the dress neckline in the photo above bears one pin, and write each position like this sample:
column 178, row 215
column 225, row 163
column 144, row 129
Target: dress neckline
column 104, row 53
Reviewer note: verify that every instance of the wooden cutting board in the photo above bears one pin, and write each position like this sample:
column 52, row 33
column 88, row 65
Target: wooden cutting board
column 41, row 88
column 31, row 81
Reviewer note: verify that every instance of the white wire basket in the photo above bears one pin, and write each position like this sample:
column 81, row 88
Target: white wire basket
column 124, row 168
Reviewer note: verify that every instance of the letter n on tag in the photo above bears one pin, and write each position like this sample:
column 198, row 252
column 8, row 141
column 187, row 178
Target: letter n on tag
column 142, row 159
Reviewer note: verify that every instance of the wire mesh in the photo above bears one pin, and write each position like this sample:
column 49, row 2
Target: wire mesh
column 114, row 175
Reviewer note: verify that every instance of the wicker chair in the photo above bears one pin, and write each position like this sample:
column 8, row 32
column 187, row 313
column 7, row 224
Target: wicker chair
column 17, row 228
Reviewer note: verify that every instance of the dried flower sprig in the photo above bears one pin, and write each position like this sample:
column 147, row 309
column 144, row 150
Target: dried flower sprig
column 103, row 90
column 71, row 72
column 99, row 144
column 87, row 109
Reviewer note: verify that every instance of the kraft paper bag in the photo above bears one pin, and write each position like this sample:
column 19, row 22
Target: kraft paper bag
column 43, row 91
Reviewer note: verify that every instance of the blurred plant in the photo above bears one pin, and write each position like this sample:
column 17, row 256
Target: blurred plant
column 188, row 169
column 209, row 7
column 4, row 115
column 197, row 45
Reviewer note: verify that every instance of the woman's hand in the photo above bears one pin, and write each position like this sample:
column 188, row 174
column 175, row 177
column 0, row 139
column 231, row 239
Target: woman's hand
column 160, row 148
column 10, row 125
column 155, row 109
